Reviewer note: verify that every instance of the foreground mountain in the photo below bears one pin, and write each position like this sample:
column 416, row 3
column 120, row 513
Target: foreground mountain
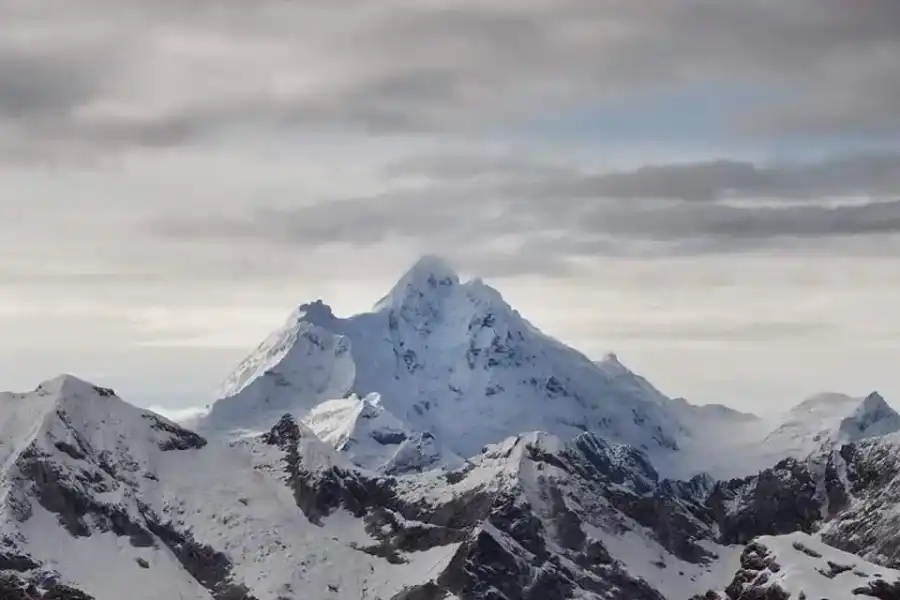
column 102, row 497
column 102, row 500
column 448, row 359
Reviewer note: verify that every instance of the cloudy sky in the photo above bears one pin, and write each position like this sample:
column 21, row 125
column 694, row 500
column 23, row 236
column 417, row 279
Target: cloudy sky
column 711, row 188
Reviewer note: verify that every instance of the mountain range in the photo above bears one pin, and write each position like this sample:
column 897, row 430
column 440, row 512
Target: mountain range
column 441, row 447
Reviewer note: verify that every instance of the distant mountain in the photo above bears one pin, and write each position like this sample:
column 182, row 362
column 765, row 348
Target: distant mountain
column 449, row 359
column 827, row 421
column 713, row 413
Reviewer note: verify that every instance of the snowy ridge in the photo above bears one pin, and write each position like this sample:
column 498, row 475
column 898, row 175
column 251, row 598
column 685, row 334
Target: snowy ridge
column 293, row 370
column 58, row 484
column 450, row 359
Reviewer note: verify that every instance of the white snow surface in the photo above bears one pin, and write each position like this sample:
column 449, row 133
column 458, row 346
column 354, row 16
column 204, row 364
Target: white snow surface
column 228, row 495
column 447, row 358
column 825, row 421
column 375, row 438
column 802, row 572
column 453, row 360
column 745, row 444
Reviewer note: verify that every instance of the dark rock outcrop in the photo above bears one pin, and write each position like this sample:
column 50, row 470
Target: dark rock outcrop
column 14, row 587
column 880, row 589
column 179, row 438
column 779, row 500
column 751, row 582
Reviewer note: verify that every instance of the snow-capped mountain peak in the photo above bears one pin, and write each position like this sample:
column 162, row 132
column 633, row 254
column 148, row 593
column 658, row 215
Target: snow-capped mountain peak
column 827, row 420
column 873, row 417
column 429, row 278
column 448, row 358
column 76, row 417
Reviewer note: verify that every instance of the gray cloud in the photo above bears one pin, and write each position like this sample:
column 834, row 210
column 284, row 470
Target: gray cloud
column 872, row 175
column 551, row 214
column 198, row 68
column 867, row 175
column 42, row 85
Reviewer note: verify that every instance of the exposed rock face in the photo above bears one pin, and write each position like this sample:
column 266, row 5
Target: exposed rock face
column 92, row 479
column 879, row 589
column 320, row 492
column 13, row 587
column 752, row 581
column 782, row 499
column 521, row 514
column 73, row 497
column 531, row 518
column 849, row 495
column 870, row 525
column 179, row 438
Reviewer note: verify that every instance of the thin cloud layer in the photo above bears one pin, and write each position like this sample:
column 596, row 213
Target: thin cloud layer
column 559, row 213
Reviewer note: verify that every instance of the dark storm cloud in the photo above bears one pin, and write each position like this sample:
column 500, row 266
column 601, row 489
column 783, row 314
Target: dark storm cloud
column 200, row 68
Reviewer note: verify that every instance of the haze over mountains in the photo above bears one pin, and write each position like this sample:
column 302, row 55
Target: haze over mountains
column 438, row 447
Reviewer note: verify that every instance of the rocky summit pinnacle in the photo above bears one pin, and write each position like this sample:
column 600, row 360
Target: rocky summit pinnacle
column 873, row 417
column 429, row 276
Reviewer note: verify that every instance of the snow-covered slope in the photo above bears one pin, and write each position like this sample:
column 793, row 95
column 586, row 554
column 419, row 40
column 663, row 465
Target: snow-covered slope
column 74, row 457
column 745, row 444
column 375, row 438
column 447, row 358
column 799, row 565
column 827, row 421
column 118, row 502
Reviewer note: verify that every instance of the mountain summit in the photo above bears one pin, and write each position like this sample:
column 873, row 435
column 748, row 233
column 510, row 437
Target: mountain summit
column 448, row 358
